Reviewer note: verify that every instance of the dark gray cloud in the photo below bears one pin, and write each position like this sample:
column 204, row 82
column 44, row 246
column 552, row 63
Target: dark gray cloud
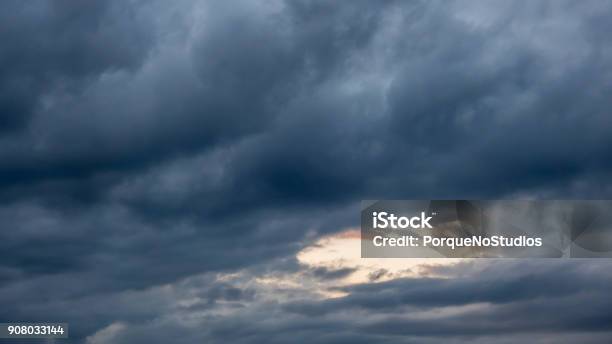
column 142, row 143
column 59, row 44
column 503, row 301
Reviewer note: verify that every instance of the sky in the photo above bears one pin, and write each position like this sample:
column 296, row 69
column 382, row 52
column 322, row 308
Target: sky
column 191, row 171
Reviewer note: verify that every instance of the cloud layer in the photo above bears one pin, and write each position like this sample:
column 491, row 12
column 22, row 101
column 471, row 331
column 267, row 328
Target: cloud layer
column 145, row 145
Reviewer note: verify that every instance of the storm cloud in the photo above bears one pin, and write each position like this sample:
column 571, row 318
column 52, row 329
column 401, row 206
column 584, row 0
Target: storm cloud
column 145, row 145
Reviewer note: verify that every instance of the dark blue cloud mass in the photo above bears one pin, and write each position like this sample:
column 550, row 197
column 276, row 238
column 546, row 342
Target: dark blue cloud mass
column 148, row 144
